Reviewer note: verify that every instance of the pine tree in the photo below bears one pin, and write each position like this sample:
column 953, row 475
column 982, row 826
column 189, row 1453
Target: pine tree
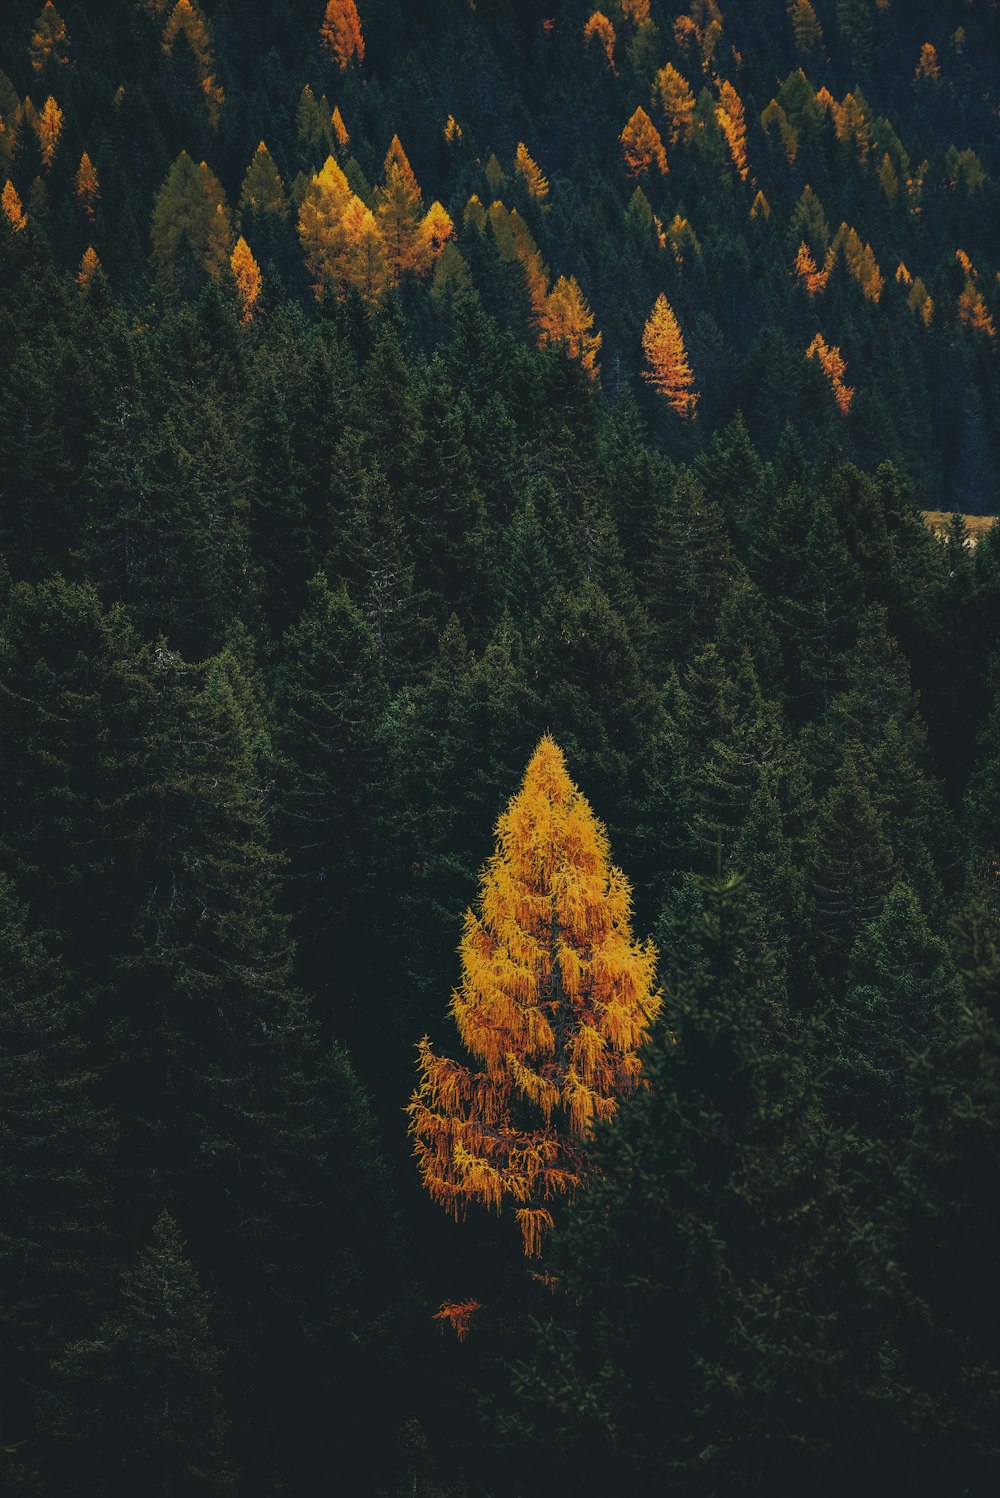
column 263, row 191
column 143, row 1401
column 555, row 1000
column 49, row 40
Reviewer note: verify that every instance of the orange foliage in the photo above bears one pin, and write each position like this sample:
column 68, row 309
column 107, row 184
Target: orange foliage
column 674, row 97
column 87, row 188
column 536, row 184
column 554, row 1003
column 452, row 130
column 49, row 40
column 667, row 368
column 928, row 69
column 973, row 312
column 903, row 275
column 339, row 128
column 681, row 238
column 850, row 123
column 807, row 271
column 860, row 261
column 48, row 128
column 599, row 29
column 89, row 266
column 340, row 33
column 729, row 114
column 834, row 368
column 12, row 207
column 458, row 1315
column 636, row 11
column 246, row 274
column 642, row 146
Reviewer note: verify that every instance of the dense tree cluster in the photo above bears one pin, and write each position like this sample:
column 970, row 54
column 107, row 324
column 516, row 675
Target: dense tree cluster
column 387, row 390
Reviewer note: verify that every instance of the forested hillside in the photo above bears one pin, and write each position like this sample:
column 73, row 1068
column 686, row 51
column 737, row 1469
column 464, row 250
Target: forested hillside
column 499, row 785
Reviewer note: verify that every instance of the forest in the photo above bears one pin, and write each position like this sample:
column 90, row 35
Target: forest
column 499, row 748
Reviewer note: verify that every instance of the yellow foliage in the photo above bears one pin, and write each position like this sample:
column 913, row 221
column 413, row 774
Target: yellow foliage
column 672, row 94
column 760, row 207
column 48, row 128
column 599, row 29
column 341, row 35
column 452, row 130
column 833, row 366
column 186, row 18
column 813, row 279
column 666, row 367
column 920, row 302
column 903, row 275
column 805, row 24
column 263, row 190
column 87, row 188
column 398, row 211
column 642, row 145
column 549, row 954
column 49, row 40
column 973, row 312
column 566, row 319
column 636, row 11
column 89, row 265
column 731, row 121
column 246, row 274
column 535, row 182
column 13, row 209
column 928, row 69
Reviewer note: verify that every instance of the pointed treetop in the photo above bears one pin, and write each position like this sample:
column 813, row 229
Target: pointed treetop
column 341, row 35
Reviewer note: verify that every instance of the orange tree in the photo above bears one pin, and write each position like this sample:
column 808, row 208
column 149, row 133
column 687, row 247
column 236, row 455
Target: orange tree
column 555, row 1000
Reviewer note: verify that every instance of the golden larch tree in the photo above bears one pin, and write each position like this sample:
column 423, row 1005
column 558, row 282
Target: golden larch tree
column 534, row 181
column 636, row 11
column 247, row 278
column 731, row 121
column 813, row 279
column 600, row 30
column 49, row 40
column 973, row 312
column 642, row 146
column 928, row 68
column 760, row 207
column 832, row 364
column 398, row 210
column 263, row 190
column 674, row 97
column 555, row 1000
column 341, row 35
column 48, row 128
column 87, row 188
column 452, row 130
column 89, row 266
column 567, row 319
column 340, row 130
column 666, row 362
column 12, row 207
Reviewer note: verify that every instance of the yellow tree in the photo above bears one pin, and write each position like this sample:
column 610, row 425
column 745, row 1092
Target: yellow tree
column 87, row 188
column 674, row 97
column 555, row 1000
column 928, row 69
column 636, row 11
column 247, row 277
column 89, row 266
column 48, row 128
column 341, row 35
column 973, row 312
column 730, row 117
column 263, row 190
column 567, row 319
column 12, row 207
column 339, row 128
column 49, row 40
column 600, row 30
column 667, row 368
column 642, row 146
column 191, row 220
column 534, row 181
column 398, row 210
